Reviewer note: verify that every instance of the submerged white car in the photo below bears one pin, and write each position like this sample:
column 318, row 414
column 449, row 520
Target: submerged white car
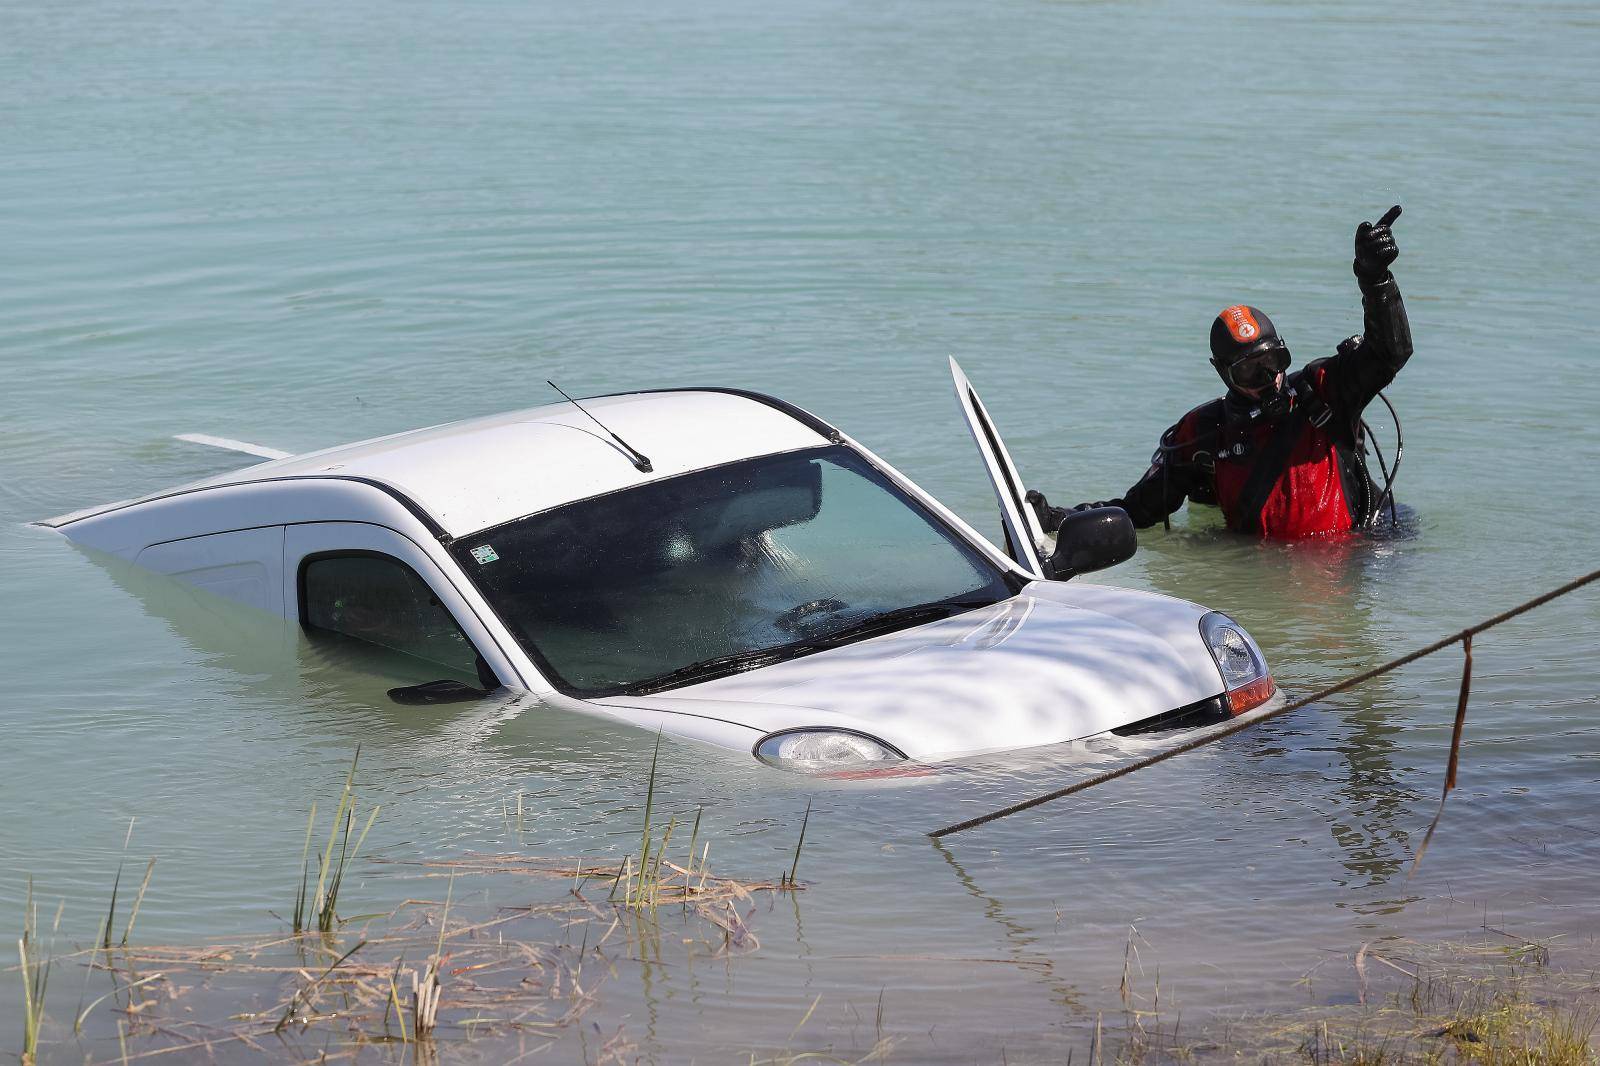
column 760, row 582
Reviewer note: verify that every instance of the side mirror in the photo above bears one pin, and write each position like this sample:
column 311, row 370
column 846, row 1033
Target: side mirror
column 448, row 690
column 1092, row 540
column 429, row 692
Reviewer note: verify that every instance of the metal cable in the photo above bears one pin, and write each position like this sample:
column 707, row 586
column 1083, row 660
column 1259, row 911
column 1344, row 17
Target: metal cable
column 1240, row 726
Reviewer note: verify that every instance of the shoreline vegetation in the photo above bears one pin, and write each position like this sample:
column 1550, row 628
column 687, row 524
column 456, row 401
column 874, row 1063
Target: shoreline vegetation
column 402, row 981
column 433, row 974
column 1494, row 1001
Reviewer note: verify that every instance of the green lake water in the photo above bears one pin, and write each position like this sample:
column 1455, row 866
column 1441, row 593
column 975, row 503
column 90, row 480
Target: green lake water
column 302, row 224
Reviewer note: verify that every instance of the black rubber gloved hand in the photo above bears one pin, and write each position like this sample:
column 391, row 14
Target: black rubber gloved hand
column 1375, row 247
column 1049, row 517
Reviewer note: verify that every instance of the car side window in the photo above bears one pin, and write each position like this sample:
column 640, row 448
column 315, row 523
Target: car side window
column 380, row 600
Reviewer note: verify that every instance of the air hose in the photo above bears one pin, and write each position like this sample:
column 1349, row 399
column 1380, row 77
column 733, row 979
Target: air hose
column 1389, row 472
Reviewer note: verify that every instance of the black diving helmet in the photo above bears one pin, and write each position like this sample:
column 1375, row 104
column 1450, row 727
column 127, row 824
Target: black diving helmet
column 1246, row 350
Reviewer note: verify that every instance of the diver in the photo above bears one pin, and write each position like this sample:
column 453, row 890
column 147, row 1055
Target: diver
column 1281, row 454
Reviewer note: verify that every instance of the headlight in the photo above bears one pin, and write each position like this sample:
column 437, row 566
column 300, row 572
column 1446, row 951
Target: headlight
column 1239, row 661
column 813, row 751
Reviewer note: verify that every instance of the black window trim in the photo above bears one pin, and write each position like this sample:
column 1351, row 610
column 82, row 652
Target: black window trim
column 483, row 664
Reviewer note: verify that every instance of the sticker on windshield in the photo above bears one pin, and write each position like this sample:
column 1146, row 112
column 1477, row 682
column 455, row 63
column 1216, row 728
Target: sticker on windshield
column 483, row 553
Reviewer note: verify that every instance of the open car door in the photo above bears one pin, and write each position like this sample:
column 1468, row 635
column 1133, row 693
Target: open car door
column 1024, row 536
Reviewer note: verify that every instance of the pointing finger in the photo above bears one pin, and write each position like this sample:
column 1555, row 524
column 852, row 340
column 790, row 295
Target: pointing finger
column 1389, row 216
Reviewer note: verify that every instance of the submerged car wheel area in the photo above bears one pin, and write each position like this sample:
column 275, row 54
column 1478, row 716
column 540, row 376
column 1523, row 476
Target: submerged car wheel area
column 764, row 583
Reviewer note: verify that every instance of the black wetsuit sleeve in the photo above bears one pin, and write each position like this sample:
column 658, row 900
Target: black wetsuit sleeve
column 1358, row 372
column 1162, row 489
column 1160, row 492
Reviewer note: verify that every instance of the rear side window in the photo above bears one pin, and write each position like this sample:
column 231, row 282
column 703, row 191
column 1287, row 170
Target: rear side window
column 382, row 601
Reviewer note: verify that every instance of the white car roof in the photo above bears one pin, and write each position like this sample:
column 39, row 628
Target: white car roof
column 481, row 472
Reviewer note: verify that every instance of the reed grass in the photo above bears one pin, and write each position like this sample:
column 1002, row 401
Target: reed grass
column 302, row 910
column 1505, row 1027
column 35, row 968
column 111, row 912
column 694, row 836
column 138, row 901
column 393, row 1003
column 644, row 882
column 303, row 995
column 640, row 882
column 788, row 880
column 319, row 907
column 77, row 1024
column 116, row 883
column 425, row 993
column 427, row 989
column 102, row 940
column 638, row 900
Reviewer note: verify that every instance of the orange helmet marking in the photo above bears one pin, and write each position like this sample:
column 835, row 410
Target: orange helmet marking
column 1241, row 323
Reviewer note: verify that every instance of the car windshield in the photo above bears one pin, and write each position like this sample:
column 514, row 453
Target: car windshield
column 723, row 569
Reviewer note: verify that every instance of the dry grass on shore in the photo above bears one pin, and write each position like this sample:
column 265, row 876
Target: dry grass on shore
column 394, row 985
column 405, row 981
column 1494, row 1002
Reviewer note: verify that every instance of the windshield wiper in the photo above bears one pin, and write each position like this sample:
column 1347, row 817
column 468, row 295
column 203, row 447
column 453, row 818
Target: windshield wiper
column 720, row 666
column 899, row 618
column 738, row 662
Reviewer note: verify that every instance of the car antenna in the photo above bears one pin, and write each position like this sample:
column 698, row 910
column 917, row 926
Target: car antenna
column 640, row 462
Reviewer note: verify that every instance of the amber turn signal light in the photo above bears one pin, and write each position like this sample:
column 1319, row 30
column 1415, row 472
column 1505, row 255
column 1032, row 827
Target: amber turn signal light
column 1251, row 696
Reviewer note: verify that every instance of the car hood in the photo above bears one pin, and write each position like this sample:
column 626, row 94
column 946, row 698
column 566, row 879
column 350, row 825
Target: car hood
column 1057, row 662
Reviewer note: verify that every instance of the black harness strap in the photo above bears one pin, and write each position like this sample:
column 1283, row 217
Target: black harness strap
column 1271, row 461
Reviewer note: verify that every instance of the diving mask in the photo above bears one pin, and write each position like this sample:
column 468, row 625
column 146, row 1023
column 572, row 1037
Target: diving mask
column 1259, row 369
